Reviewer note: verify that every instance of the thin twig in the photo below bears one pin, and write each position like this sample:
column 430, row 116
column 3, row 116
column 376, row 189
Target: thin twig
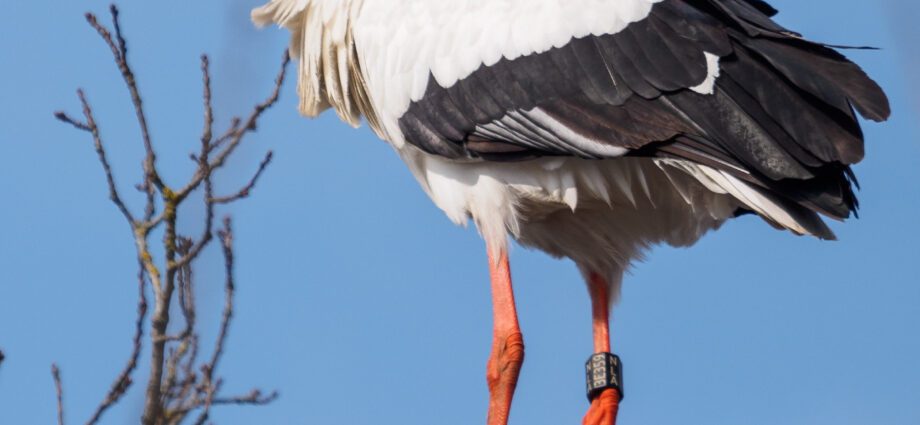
column 226, row 242
column 206, row 234
column 151, row 224
column 186, row 291
column 250, row 123
column 174, row 388
column 246, row 190
column 253, row 398
column 204, row 170
column 91, row 127
column 209, row 369
column 62, row 116
column 247, row 126
column 188, row 385
column 186, row 338
column 231, row 131
column 59, row 389
column 124, row 380
column 122, row 45
column 120, row 53
column 207, row 133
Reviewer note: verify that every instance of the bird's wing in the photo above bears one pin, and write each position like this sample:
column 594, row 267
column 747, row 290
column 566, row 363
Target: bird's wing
column 716, row 82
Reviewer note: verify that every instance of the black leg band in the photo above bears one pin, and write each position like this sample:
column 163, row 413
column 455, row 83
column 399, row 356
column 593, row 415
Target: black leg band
column 603, row 371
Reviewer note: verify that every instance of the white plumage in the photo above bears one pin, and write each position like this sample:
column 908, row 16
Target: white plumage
column 372, row 58
column 402, row 43
column 709, row 84
column 602, row 214
column 590, row 129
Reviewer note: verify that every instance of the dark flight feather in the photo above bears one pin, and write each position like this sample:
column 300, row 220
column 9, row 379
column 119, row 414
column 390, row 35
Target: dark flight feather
column 781, row 115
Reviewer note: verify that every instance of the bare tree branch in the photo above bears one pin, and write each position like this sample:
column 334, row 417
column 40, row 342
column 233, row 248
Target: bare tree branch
column 175, row 387
column 67, row 119
column 246, row 190
column 59, row 389
column 91, row 127
column 253, row 398
column 208, row 370
column 240, row 131
column 207, row 133
column 204, row 170
column 226, row 242
column 120, row 53
column 231, row 131
column 123, row 381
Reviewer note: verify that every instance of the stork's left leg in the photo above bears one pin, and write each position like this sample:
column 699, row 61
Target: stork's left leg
column 507, row 343
column 604, row 407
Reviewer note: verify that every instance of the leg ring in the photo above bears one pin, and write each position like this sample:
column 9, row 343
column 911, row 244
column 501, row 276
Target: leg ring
column 603, row 371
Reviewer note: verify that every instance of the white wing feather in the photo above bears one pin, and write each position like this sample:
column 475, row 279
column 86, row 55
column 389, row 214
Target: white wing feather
column 402, row 43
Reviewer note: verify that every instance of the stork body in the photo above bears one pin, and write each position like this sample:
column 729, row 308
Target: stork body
column 590, row 129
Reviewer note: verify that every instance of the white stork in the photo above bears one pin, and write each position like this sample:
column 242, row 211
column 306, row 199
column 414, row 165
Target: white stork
column 590, row 129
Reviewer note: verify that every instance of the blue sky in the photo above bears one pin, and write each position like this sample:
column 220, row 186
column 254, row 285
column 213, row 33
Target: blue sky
column 361, row 303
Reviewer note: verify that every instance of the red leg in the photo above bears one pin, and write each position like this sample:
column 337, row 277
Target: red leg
column 603, row 410
column 507, row 343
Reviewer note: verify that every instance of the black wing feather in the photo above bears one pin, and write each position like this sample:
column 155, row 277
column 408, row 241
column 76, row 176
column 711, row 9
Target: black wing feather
column 781, row 115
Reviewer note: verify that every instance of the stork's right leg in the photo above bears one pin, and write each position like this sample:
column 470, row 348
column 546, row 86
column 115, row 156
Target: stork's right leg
column 604, row 407
column 507, row 343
